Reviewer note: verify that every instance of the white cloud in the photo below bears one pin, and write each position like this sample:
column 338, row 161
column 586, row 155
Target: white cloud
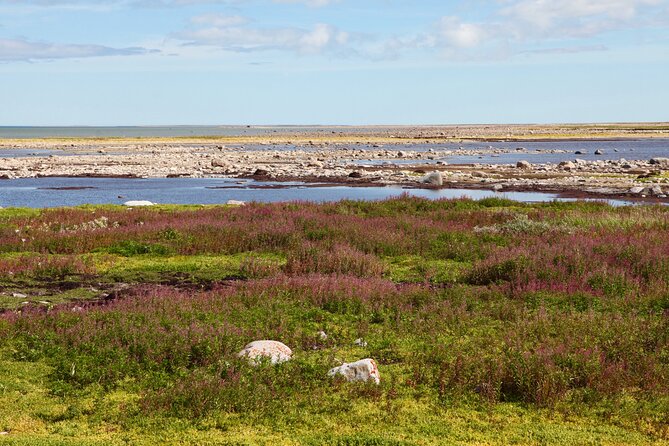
column 15, row 50
column 234, row 34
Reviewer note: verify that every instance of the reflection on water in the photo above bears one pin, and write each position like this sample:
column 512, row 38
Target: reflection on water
column 53, row 192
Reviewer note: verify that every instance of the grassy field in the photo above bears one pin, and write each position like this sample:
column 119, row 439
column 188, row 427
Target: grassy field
column 493, row 322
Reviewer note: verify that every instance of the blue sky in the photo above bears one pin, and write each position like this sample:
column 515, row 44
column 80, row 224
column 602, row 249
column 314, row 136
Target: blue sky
column 161, row 62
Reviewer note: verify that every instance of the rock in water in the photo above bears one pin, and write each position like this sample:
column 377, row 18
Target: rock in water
column 275, row 351
column 363, row 370
column 523, row 165
column 599, row 152
column 434, row 178
column 135, row 203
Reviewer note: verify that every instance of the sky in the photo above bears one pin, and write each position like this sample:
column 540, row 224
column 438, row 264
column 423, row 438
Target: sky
column 343, row 62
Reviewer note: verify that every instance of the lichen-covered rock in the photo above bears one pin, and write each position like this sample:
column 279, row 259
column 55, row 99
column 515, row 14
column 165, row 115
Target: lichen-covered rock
column 274, row 351
column 364, row 370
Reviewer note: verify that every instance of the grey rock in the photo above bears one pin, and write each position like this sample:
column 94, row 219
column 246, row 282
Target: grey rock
column 523, row 165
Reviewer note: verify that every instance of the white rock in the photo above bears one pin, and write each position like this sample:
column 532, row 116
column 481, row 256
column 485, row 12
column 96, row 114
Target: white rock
column 135, row 203
column 236, row 203
column 363, row 370
column 636, row 190
column 434, row 178
column 322, row 335
column 19, row 295
column 275, row 351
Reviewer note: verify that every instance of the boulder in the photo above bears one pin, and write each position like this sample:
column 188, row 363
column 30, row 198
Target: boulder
column 274, row 351
column 637, row 190
column 364, row 370
column 659, row 161
column 434, row 178
column 236, row 203
column 261, row 172
column 136, row 203
column 599, row 152
column 355, row 175
column 567, row 165
column 523, row 165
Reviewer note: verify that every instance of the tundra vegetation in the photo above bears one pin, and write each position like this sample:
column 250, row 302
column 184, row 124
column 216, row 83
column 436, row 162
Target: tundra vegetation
column 491, row 321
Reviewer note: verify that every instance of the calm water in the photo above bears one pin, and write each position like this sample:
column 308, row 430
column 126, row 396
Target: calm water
column 54, row 192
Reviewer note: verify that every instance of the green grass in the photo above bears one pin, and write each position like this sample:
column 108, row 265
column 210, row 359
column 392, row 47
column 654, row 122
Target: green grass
column 493, row 323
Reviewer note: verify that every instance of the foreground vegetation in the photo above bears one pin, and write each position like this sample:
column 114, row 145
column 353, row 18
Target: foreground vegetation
column 493, row 322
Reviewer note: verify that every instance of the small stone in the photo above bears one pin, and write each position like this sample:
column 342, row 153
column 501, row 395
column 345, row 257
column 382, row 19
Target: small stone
column 363, row 371
column 360, row 342
column 323, row 336
column 275, row 351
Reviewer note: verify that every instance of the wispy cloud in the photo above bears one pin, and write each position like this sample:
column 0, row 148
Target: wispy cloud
column 235, row 33
column 18, row 50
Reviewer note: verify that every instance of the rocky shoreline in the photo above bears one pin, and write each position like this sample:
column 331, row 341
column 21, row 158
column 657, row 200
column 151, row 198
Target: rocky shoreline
column 361, row 164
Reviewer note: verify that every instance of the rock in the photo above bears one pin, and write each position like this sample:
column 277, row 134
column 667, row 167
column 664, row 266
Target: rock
column 567, row 165
column 275, row 351
column 219, row 163
column 523, row 165
column 261, row 172
column 236, row 203
column 19, row 295
column 659, row 161
column 497, row 187
column 363, row 370
column 355, row 175
column 433, row 178
column 360, row 342
column 599, row 152
column 136, row 203
column 579, row 152
column 656, row 190
column 323, row 336
column 637, row 190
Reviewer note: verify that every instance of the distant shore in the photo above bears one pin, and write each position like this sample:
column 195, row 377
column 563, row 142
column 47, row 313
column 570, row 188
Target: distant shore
column 376, row 156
